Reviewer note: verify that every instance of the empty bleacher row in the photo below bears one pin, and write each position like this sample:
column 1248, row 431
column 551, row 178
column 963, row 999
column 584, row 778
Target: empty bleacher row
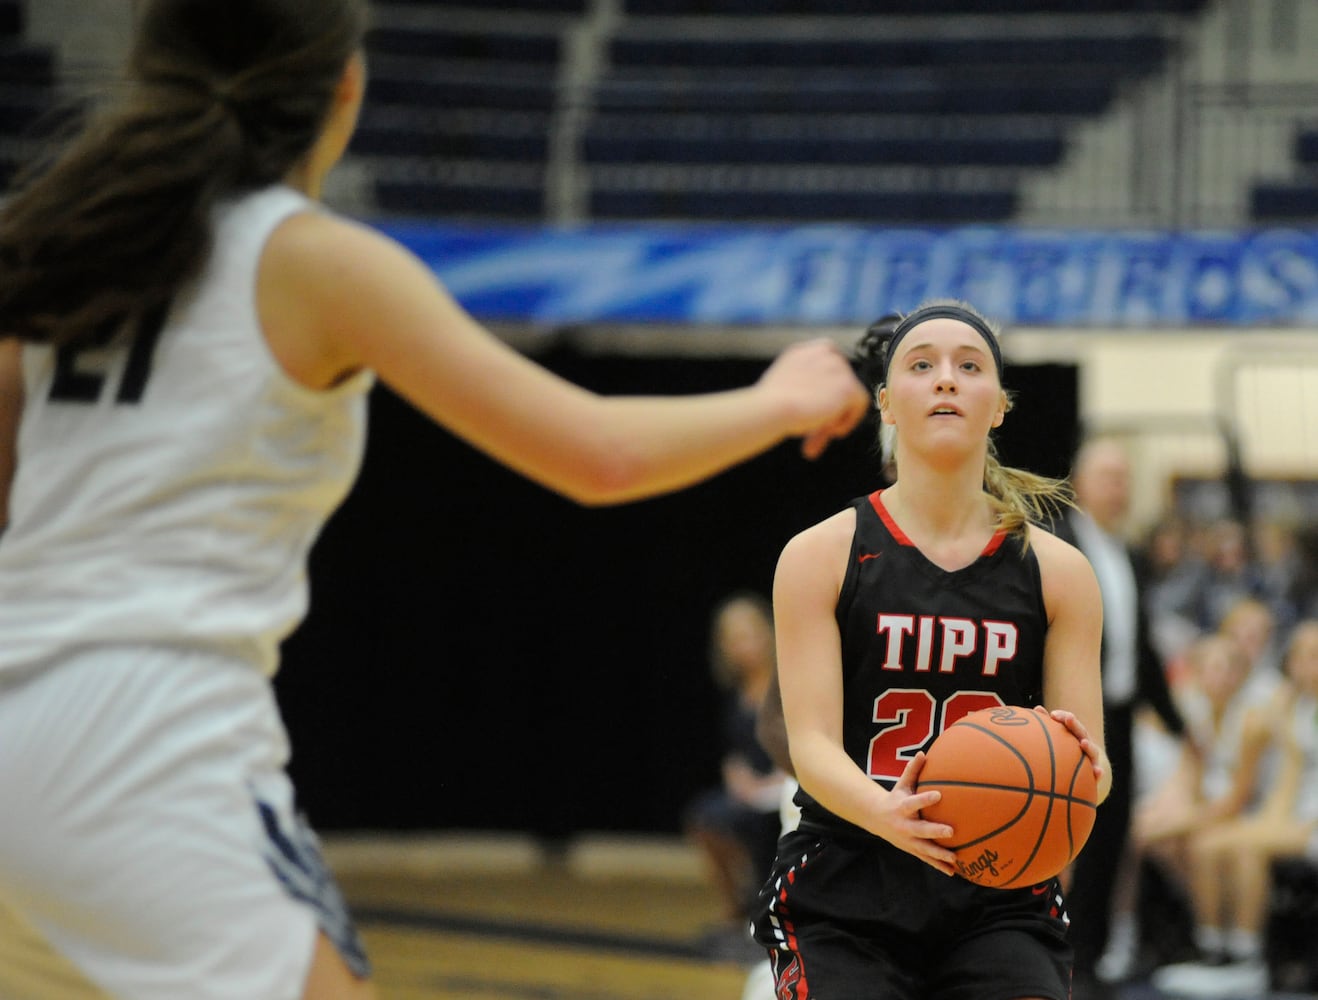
column 27, row 89
column 695, row 113
column 1294, row 200
column 892, row 7
column 869, row 111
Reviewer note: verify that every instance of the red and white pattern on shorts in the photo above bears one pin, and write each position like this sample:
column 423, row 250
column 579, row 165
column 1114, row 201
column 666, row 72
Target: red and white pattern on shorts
column 788, row 966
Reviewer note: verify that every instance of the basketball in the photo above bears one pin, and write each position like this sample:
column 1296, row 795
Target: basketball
column 1018, row 792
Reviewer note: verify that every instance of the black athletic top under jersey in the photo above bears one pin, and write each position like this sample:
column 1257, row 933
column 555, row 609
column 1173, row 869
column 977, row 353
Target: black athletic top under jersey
column 922, row 646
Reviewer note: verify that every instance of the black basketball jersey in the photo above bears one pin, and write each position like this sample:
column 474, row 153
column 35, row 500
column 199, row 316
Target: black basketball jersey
column 922, row 647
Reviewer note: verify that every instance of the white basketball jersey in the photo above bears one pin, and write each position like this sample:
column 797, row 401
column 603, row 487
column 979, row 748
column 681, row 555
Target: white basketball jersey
column 170, row 487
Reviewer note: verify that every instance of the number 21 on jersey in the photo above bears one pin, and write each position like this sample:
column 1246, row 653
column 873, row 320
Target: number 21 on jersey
column 82, row 372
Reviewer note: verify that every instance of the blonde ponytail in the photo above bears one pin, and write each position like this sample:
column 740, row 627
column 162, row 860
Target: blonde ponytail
column 1021, row 498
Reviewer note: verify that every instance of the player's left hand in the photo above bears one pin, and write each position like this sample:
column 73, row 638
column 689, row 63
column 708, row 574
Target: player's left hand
column 1097, row 756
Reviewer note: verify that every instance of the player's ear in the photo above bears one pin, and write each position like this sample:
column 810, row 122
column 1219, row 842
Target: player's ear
column 1004, row 404
column 881, row 399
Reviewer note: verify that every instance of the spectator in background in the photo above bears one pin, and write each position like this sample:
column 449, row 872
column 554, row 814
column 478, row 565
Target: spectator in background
column 1278, row 569
column 1251, row 624
column 1175, row 577
column 1132, row 674
column 736, row 825
column 1229, row 573
column 1306, row 580
column 1231, row 862
column 1214, row 777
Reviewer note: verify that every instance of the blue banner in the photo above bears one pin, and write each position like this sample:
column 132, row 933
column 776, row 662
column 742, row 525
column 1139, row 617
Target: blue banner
column 846, row 276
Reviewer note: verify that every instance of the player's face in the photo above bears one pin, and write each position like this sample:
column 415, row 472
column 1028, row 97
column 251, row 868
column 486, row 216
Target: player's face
column 943, row 385
column 1102, row 484
column 1222, row 668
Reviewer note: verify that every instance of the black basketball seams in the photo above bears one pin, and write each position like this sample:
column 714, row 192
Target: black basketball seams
column 1059, row 794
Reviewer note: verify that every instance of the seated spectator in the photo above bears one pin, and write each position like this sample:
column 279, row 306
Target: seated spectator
column 1253, row 625
column 1217, row 775
column 1188, row 784
column 736, row 824
column 1279, row 569
column 1175, row 576
column 1230, row 574
column 1231, row 862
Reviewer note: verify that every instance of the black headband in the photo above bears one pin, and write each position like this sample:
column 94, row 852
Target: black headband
column 943, row 312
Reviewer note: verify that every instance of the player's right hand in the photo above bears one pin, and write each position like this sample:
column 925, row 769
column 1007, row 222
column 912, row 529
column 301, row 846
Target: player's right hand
column 901, row 825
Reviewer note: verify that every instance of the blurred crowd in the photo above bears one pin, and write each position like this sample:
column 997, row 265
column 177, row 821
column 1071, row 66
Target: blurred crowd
column 1219, row 811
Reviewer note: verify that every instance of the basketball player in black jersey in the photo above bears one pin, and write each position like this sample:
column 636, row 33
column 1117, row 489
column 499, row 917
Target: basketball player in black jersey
column 895, row 617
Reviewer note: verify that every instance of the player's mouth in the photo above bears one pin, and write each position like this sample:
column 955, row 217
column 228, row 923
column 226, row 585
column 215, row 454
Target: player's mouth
column 945, row 411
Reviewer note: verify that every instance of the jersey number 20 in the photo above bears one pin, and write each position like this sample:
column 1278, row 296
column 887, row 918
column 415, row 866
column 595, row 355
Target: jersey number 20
column 913, row 716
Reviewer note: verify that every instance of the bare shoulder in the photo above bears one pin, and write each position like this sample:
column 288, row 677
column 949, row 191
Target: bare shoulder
column 1068, row 578
column 824, row 544
column 1056, row 555
column 331, row 291
column 327, row 250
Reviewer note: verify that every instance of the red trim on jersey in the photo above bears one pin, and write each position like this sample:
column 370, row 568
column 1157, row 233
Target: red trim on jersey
column 876, row 501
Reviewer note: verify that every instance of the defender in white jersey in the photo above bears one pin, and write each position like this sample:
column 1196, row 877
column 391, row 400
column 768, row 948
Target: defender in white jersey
column 186, row 341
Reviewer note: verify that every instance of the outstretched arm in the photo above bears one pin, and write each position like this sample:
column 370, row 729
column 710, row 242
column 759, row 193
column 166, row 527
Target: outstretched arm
column 346, row 297
column 11, row 406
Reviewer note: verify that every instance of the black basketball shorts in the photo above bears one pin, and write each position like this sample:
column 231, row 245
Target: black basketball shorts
column 850, row 917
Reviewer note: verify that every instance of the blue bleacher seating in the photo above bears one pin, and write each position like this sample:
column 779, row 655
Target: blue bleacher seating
column 823, row 93
column 743, row 8
column 1306, row 147
column 536, row 6
column 799, row 139
column 509, row 88
column 1284, row 203
column 1294, row 201
column 1000, row 101
column 428, row 197
column 1125, row 52
column 27, row 91
column 396, row 132
column 439, row 44
column 928, row 207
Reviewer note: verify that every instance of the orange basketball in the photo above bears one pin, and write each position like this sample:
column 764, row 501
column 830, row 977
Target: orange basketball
column 1018, row 792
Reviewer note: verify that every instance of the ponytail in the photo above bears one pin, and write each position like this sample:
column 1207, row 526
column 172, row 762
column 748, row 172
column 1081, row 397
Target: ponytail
column 1021, row 498
column 212, row 106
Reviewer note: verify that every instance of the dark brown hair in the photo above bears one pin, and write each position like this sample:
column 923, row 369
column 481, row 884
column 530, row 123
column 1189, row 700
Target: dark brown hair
column 218, row 97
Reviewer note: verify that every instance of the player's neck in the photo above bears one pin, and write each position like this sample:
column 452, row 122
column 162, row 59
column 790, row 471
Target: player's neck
column 939, row 506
